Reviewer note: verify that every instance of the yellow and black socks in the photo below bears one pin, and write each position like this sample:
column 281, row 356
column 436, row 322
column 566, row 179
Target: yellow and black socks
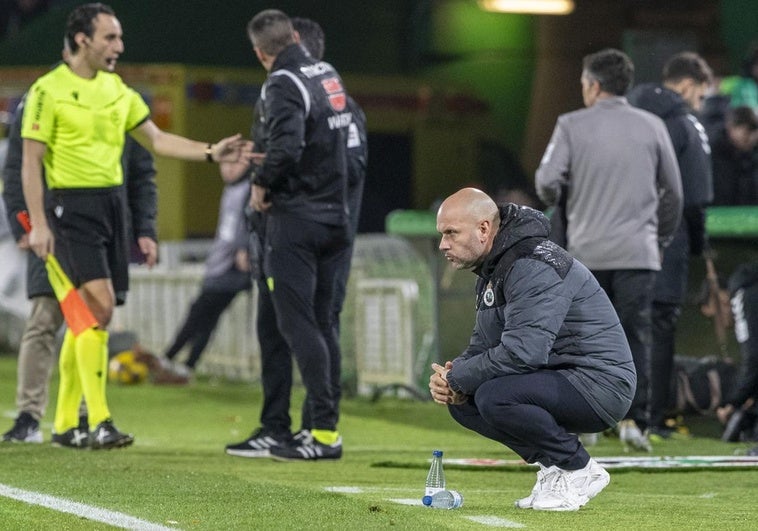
column 92, row 361
column 69, row 387
column 326, row 437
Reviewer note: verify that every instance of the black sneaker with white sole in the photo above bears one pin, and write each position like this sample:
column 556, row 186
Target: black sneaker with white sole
column 259, row 444
column 73, row 438
column 106, row 436
column 308, row 451
column 302, row 437
column 25, row 429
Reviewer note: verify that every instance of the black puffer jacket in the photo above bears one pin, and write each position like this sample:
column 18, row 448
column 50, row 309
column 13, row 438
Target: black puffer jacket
column 539, row 308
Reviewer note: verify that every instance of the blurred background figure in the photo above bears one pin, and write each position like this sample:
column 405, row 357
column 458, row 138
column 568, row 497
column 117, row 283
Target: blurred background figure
column 739, row 303
column 685, row 81
column 743, row 89
column 735, row 158
column 14, row 14
column 227, row 273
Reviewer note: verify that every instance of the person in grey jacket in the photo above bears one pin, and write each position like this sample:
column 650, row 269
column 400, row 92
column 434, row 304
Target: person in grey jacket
column 686, row 79
column 227, row 273
column 623, row 204
column 547, row 358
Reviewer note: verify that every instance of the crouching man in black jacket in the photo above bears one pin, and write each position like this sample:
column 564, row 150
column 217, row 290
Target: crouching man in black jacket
column 548, row 357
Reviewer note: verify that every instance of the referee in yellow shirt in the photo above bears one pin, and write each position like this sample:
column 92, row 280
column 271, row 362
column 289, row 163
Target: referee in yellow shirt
column 73, row 125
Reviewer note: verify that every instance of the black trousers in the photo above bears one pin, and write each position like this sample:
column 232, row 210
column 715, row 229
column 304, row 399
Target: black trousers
column 537, row 415
column 201, row 320
column 276, row 368
column 665, row 318
column 302, row 260
column 631, row 292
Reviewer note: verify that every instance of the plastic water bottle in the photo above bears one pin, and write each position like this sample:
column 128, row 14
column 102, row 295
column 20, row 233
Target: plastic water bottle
column 444, row 499
column 435, row 479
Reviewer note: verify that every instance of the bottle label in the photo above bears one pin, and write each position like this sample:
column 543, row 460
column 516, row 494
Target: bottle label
column 446, row 499
column 431, row 491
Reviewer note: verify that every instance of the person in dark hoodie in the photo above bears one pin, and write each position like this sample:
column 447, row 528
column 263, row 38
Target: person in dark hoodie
column 686, row 78
column 548, row 357
column 735, row 158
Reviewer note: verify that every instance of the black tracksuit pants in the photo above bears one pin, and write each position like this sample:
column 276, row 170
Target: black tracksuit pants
column 302, row 260
column 537, row 415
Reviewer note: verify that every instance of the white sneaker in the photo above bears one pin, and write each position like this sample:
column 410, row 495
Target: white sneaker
column 559, row 495
column 544, row 476
column 632, row 437
column 572, row 489
column 590, row 480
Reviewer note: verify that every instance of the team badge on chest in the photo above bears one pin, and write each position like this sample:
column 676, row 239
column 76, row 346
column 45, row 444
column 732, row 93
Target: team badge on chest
column 489, row 295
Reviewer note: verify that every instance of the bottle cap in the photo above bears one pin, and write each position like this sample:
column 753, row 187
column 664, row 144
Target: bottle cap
column 426, row 500
column 437, row 453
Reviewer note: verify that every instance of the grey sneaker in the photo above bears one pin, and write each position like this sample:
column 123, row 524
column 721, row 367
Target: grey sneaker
column 632, row 437
column 25, row 429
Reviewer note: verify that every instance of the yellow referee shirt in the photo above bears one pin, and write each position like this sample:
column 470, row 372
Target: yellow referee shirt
column 83, row 122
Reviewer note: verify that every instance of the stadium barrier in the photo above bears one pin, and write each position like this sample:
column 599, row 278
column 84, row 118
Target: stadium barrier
column 383, row 327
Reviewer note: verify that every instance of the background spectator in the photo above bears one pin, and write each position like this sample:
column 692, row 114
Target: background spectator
column 735, row 158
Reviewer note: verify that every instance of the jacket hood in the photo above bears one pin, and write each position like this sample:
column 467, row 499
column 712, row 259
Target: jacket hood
column 743, row 277
column 658, row 100
column 517, row 223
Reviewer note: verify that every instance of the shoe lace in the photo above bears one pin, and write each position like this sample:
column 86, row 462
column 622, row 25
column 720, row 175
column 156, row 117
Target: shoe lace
column 562, row 486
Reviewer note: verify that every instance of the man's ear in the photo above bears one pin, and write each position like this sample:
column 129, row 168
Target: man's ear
column 81, row 39
column 485, row 227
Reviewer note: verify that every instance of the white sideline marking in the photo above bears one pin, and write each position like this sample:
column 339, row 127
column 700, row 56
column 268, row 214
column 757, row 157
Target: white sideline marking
column 491, row 521
column 344, row 490
column 494, row 521
column 407, row 501
column 113, row 518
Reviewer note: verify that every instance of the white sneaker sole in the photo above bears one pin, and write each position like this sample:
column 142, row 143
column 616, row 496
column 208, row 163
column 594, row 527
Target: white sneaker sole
column 249, row 453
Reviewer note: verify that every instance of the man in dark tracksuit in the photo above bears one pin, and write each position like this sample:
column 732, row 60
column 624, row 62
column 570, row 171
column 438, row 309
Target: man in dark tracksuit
column 312, row 39
column 276, row 359
column 37, row 352
column 686, row 77
column 548, row 357
column 302, row 185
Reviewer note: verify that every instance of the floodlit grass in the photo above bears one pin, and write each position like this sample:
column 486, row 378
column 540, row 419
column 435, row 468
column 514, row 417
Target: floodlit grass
column 177, row 474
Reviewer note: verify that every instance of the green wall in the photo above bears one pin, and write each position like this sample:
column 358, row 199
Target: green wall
column 739, row 29
column 492, row 54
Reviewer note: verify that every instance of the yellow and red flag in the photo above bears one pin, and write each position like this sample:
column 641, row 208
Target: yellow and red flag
column 75, row 311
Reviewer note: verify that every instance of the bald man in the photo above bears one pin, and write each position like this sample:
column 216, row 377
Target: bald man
column 547, row 359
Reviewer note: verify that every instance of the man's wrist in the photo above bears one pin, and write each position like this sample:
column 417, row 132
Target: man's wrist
column 209, row 153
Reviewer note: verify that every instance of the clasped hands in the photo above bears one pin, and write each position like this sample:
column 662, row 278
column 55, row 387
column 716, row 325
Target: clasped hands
column 440, row 389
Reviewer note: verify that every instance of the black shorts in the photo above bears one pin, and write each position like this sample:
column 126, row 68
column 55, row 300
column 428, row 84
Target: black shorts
column 91, row 235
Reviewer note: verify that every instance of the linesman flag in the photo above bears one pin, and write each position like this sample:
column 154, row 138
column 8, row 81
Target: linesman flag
column 75, row 311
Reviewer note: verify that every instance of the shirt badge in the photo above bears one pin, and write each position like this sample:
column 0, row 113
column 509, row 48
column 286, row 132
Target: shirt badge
column 489, row 295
